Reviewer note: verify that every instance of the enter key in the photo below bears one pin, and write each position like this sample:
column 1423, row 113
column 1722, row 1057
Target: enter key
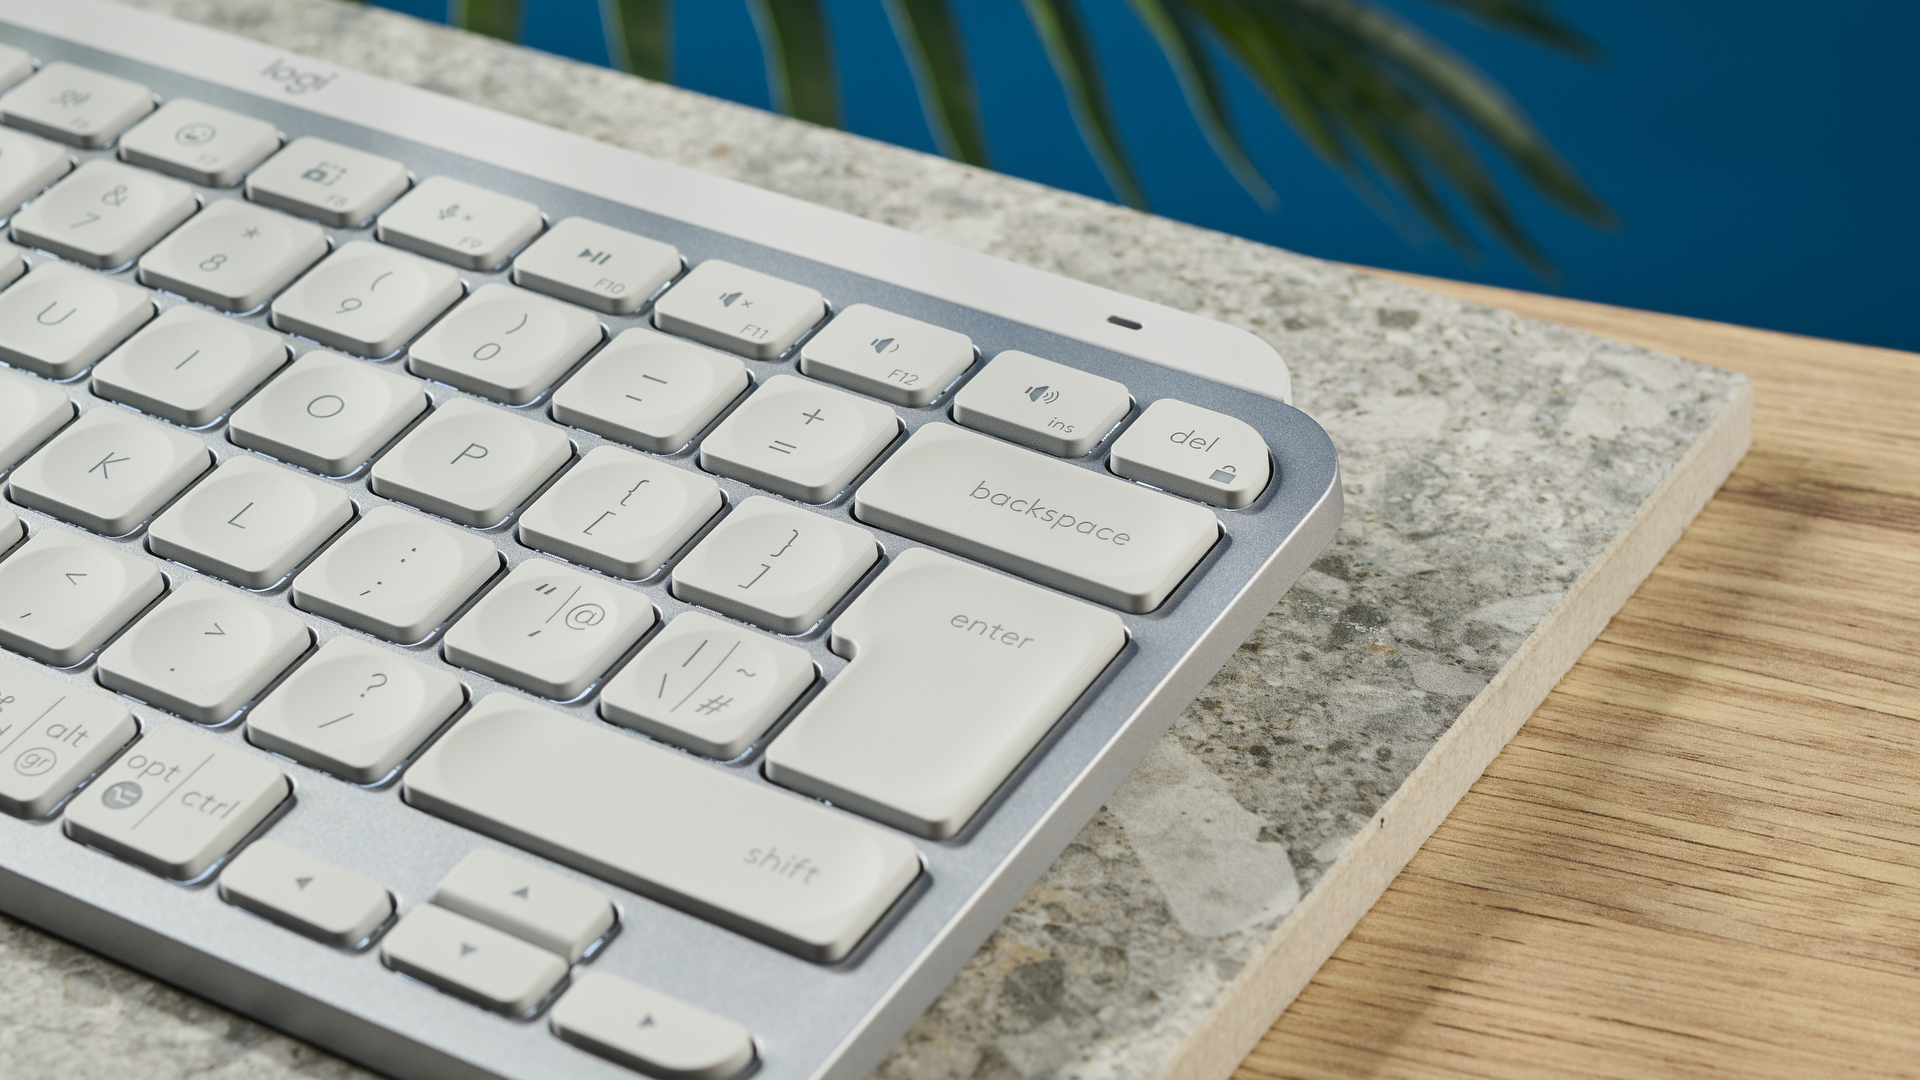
column 956, row 674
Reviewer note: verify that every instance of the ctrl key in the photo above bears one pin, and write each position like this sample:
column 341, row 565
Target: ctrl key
column 177, row 802
column 52, row 737
column 647, row 1030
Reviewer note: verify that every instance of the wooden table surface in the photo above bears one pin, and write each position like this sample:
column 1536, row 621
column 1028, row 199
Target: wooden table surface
column 1701, row 856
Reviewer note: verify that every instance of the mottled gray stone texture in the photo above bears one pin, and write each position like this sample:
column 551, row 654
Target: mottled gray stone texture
column 1488, row 459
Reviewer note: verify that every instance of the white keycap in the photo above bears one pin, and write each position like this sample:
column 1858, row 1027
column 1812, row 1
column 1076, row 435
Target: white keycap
column 596, row 266
column 740, row 310
column 59, row 319
column 504, row 343
column 15, row 64
column 775, row 565
column 785, row 870
column 646, row 1030
column 104, row 214
column 549, row 629
column 250, row 522
column 52, row 737
column 199, row 142
column 890, row 356
column 367, row 299
column 1194, row 452
column 396, row 575
column 620, row 513
column 305, row 894
column 799, row 439
column 650, row 391
column 30, row 412
column 177, row 801
column 471, row 960
column 355, row 710
column 472, row 463
column 62, row 595
column 13, row 263
column 11, row 528
column 333, row 184
column 76, row 105
column 1070, row 528
column 456, row 222
column 233, row 255
column 27, row 165
column 1009, row 660
column 189, row 366
column 203, row 652
column 109, row 471
column 1034, row 402
column 328, row 413
column 561, row 916
column 708, row 686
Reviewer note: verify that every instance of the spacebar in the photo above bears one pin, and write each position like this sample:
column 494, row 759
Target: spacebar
column 779, row 868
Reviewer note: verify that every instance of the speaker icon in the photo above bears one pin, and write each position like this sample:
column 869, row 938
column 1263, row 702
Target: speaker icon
column 728, row 299
column 1042, row 394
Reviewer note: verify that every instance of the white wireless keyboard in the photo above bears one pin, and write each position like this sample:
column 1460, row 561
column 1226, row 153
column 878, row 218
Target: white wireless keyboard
column 495, row 605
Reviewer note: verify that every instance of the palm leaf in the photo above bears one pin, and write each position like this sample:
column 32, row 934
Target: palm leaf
column 640, row 36
column 931, row 39
column 1528, row 19
column 494, row 18
column 799, row 55
column 1071, row 52
column 1179, row 39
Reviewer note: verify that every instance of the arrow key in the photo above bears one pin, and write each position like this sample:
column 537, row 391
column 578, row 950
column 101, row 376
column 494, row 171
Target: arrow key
column 305, row 894
column 647, row 1030
column 472, row 960
column 536, row 906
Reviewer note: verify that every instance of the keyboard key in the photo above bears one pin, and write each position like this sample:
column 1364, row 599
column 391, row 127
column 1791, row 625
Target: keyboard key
column 650, row 391
column 52, row 737
column 890, row 356
column 354, row 710
column 504, row 343
column 1050, row 407
column 333, row 184
column 1069, row 528
column 472, row 463
column 785, row 870
column 203, row 652
column 367, row 299
column 307, row 895
column 250, row 522
column 15, row 64
column 561, row 916
column 472, row 960
column 620, row 513
column 104, row 214
column 1009, row 660
column 13, row 263
column 177, row 801
column 799, row 439
column 1194, row 452
column 549, row 630
column 775, row 566
column 189, row 366
column 707, row 686
column 596, row 266
column 396, row 575
column 740, row 310
column 199, row 142
column 11, row 528
column 59, row 319
column 646, row 1030
column 30, row 412
column 109, row 471
column 233, row 256
column 76, row 105
column 328, row 413
column 62, row 596
column 27, row 165
column 453, row 221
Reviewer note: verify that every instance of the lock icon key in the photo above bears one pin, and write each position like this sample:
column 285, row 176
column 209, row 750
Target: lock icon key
column 1224, row 475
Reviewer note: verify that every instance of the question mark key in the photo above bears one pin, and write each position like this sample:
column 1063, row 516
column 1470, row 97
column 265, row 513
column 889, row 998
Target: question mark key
column 355, row 710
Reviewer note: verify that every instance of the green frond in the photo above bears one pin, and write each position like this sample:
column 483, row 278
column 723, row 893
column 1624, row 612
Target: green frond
column 1071, row 52
column 799, row 55
column 935, row 51
column 640, row 36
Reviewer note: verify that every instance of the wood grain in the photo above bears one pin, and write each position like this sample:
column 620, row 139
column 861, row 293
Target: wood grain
column 1701, row 856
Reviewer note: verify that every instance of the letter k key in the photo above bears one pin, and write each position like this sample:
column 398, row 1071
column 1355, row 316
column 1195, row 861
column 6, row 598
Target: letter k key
column 101, row 468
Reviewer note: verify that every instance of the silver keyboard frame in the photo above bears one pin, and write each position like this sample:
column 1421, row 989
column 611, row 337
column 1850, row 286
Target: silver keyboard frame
column 809, row 1020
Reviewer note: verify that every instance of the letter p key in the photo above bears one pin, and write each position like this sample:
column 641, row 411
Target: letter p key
column 469, row 452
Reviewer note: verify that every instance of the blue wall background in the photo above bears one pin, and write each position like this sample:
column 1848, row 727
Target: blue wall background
column 1764, row 156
